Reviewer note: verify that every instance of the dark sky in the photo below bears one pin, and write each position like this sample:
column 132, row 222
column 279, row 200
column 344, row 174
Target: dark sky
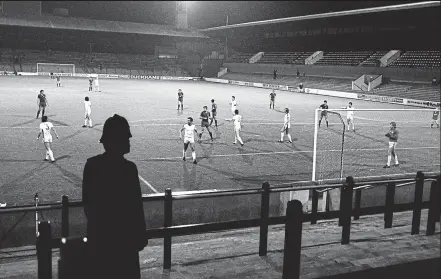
column 204, row 14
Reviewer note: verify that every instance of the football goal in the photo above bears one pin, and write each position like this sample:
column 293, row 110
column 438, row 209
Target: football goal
column 56, row 69
column 340, row 152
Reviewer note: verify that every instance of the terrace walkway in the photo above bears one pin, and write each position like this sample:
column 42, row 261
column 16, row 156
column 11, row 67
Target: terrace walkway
column 234, row 254
column 408, row 90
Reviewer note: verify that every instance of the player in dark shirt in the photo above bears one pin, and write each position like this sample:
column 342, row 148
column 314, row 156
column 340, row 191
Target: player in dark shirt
column 435, row 118
column 393, row 139
column 180, row 99
column 90, row 83
column 41, row 103
column 205, row 115
column 272, row 98
column 213, row 113
column 324, row 113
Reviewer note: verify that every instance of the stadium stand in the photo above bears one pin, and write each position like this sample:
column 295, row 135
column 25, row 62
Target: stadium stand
column 347, row 58
column 372, row 61
column 105, row 63
column 240, row 57
column 393, row 89
column 409, row 90
column 418, row 59
column 285, row 57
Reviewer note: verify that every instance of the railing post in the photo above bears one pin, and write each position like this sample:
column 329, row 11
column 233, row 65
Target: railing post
column 417, row 203
column 293, row 240
column 44, row 250
column 168, row 219
column 264, row 215
column 389, row 205
column 64, row 216
column 347, row 210
column 433, row 214
column 315, row 197
column 36, row 213
column 357, row 206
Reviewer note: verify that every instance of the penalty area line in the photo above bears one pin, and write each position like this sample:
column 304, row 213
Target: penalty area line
column 148, row 184
column 293, row 152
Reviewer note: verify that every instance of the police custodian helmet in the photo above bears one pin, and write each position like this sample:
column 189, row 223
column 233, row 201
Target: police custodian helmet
column 115, row 128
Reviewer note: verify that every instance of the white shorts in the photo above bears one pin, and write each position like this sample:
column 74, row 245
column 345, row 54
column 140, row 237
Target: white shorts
column 58, row 82
column 87, row 114
column 351, row 119
column 188, row 140
column 180, row 102
column 237, row 129
column 392, row 145
column 47, row 139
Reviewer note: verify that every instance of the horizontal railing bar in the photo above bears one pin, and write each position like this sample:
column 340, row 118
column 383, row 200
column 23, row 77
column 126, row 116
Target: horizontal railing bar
column 404, row 184
column 364, row 187
column 234, row 192
column 250, row 223
column 216, row 194
column 371, row 180
column 29, row 209
column 325, row 190
column 300, row 188
column 430, row 179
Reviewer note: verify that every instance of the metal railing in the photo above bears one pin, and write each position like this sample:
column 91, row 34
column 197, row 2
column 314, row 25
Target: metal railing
column 45, row 241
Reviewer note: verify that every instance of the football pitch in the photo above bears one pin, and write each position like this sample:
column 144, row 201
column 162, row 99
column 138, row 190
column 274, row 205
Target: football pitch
column 150, row 106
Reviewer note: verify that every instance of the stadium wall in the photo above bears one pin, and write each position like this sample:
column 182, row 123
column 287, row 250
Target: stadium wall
column 210, row 68
column 405, row 74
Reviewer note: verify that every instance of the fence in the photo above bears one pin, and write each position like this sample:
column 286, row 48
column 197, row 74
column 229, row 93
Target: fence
column 45, row 242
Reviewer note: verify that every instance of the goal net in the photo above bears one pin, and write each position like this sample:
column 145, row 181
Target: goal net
column 57, row 69
column 339, row 152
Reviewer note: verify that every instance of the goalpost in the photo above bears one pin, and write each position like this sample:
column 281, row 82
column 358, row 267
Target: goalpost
column 56, row 69
column 339, row 152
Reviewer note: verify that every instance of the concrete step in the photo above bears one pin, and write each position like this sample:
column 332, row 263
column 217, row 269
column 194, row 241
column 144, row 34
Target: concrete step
column 234, row 254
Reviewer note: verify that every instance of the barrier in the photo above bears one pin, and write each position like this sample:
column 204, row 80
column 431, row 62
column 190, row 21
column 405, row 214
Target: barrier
column 217, row 80
column 46, row 243
column 419, row 103
column 378, row 98
column 106, row 76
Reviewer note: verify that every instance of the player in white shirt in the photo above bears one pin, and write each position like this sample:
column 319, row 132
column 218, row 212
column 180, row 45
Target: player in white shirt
column 286, row 126
column 58, row 81
column 233, row 104
column 350, row 116
column 97, row 85
column 237, row 126
column 45, row 129
column 87, row 113
column 190, row 132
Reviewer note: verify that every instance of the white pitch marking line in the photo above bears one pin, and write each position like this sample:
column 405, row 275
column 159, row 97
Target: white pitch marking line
column 152, row 120
column 294, row 152
column 180, row 124
column 148, row 184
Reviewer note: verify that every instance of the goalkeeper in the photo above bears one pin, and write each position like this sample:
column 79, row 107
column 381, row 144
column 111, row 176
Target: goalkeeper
column 393, row 138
